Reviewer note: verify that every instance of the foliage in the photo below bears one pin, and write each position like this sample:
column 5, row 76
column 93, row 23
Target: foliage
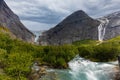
column 105, row 52
column 18, row 64
column 85, row 42
column 5, row 77
column 85, row 51
column 16, row 57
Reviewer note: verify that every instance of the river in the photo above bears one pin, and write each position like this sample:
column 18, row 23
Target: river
column 81, row 69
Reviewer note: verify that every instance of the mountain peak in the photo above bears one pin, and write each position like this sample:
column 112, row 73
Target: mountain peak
column 80, row 12
column 76, row 16
column 77, row 26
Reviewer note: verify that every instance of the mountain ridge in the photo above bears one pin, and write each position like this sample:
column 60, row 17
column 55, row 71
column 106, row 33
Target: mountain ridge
column 113, row 26
column 79, row 26
column 11, row 21
column 70, row 29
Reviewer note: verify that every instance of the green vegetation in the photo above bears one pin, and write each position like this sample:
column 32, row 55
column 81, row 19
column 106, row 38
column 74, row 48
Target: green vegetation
column 3, row 29
column 97, row 51
column 16, row 57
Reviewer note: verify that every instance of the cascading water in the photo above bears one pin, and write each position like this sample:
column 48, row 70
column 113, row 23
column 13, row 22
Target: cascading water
column 37, row 34
column 102, row 28
column 81, row 69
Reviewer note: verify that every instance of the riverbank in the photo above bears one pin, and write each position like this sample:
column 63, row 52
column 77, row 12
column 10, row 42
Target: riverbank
column 117, row 76
column 81, row 69
column 17, row 56
column 117, row 73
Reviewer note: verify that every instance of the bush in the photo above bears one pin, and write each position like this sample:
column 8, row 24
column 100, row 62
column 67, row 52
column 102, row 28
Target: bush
column 61, row 63
column 18, row 64
column 5, row 77
column 2, row 56
column 86, row 51
column 105, row 52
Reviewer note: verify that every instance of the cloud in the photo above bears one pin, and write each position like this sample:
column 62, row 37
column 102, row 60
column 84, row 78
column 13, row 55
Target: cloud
column 51, row 12
column 36, row 26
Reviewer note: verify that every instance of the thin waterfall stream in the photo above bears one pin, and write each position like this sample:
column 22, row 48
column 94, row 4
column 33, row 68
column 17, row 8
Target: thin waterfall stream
column 37, row 34
column 102, row 28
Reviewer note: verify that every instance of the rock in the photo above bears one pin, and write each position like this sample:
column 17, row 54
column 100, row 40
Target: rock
column 50, row 76
column 77, row 26
column 117, row 76
column 37, row 72
column 116, row 73
column 12, row 22
column 113, row 27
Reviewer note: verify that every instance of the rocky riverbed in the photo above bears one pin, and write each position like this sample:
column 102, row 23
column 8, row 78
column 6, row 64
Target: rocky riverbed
column 79, row 69
column 117, row 74
column 37, row 71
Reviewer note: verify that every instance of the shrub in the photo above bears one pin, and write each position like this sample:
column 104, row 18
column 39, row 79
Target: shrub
column 105, row 52
column 18, row 64
column 85, row 51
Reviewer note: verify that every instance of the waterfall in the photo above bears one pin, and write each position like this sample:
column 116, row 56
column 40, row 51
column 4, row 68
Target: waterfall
column 37, row 34
column 102, row 28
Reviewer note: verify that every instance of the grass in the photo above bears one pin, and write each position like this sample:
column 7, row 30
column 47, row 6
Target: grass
column 16, row 57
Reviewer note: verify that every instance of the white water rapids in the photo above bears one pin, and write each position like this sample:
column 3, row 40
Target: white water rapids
column 81, row 69
column 102, row 28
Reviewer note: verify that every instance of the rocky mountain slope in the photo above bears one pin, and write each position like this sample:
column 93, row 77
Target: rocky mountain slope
column 12, row 22
column 112, row 26
column 77, row 26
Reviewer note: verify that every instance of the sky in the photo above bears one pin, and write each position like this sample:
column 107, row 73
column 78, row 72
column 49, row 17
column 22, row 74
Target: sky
column 44, row 14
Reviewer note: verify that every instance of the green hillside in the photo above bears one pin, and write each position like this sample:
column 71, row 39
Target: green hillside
column 17, row 56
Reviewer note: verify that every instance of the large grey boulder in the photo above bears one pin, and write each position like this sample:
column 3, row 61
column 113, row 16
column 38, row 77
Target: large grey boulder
column 12, row 22
column 77, row 26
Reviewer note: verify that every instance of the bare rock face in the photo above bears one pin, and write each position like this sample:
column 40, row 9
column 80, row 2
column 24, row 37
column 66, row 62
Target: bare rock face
column 12, row 22
column 77, row 26
column 113, row 27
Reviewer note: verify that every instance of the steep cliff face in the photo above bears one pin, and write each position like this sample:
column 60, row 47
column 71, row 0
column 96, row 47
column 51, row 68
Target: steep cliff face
column 77, row 26
column 12, row 22
column 113, row 26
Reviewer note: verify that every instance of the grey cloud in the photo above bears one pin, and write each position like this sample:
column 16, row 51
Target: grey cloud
column 48, row 17
column 53, row 11
column 103, row 8
column 35, row 26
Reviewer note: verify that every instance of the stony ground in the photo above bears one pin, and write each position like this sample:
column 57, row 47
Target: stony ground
column 116, row 75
